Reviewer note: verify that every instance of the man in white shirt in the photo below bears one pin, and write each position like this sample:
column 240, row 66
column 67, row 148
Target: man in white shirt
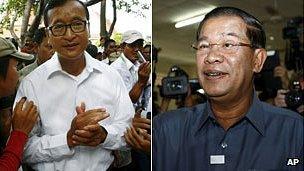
column 135, row 74
column 83, row 105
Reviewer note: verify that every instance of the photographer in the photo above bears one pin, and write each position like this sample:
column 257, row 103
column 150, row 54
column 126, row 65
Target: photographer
column 179, row 87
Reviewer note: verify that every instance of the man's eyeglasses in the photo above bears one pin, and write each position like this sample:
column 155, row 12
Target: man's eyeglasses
column 225, row 47
column 60, row 29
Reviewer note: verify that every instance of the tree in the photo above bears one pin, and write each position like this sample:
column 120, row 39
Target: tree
column 24, row 9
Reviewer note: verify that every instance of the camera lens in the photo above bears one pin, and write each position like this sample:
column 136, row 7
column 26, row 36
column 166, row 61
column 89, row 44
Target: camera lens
column 294, row 98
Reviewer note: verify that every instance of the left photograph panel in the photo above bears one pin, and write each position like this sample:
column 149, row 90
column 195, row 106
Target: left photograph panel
column 75, row 85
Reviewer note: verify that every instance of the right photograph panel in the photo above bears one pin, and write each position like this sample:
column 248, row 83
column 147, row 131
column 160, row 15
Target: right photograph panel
column 227, row 85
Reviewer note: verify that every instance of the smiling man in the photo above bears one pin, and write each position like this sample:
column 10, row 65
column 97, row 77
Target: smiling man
column 84, row 107
column 233, row 130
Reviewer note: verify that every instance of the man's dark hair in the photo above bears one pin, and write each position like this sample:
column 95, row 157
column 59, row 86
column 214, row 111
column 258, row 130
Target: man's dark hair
column 107, row 42
column 57, row 3
column 255, row 31
column 3, row 66
column 39, row 35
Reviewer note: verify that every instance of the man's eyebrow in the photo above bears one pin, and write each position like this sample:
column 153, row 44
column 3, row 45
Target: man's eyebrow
column 232, row 34
column 202, row 38
column 78, row 18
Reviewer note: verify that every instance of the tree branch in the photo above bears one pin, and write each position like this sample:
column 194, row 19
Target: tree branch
column 92, row 2
column 103, row 30
column 11, row 28
column 114, row 18
column 36, row 22
column 25, row 20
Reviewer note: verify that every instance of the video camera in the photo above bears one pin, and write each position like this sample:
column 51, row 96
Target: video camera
column 294, row 98
column 176, row 84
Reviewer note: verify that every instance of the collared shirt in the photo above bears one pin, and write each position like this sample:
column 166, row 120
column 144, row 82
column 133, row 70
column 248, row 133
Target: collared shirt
column 57, row 93
column 129, row 73
column 190, row 139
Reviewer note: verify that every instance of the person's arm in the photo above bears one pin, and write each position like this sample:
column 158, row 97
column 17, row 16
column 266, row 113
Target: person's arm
column 41, row 148
column 121, row 117
column 11, row 158
column 23, row 119
column 143, row 77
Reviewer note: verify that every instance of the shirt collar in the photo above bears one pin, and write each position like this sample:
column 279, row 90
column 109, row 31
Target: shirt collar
column 254, row 116
column 54, row 66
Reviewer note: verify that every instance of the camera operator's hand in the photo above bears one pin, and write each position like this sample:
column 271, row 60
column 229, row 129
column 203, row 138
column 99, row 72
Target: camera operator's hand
column 281, row 72
column 144, row 71
column 24, row 117
column 279, row 100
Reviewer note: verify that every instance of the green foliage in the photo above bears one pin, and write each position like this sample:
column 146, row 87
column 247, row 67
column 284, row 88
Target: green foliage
column 133, row 6
column 10, row 7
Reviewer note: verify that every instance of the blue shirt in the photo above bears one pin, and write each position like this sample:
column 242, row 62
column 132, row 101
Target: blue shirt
column 191, row 139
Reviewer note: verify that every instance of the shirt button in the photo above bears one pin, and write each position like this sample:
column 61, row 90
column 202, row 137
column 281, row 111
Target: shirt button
column 224, row 145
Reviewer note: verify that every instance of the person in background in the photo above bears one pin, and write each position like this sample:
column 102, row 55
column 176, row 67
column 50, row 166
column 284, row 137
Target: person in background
column 146, row 51
column 109, row 48
column 136, row 78
column 43, row 51
column 25, row 113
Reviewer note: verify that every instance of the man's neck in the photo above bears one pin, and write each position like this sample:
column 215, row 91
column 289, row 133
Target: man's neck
column 227, row 113
column 73, row 66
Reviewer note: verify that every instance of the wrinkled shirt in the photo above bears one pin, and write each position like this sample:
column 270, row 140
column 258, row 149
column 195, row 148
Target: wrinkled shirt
column 190, row 139
column 56, row 94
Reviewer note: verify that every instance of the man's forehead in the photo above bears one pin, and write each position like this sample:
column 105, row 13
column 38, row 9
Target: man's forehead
column 224, row 26
column 71, row 9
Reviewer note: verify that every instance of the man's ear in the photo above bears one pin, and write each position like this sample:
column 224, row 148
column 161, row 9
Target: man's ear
column 260, row 56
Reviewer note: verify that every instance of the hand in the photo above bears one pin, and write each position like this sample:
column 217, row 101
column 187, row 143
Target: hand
column 83, row 119
column 24, row 119
column 139, row 141
column 144, row 71
column 281, row 72
column 279, row 100
column 91, row 135
column 141, row 123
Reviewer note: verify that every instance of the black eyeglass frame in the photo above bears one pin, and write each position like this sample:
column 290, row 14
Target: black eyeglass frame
column 86, row 23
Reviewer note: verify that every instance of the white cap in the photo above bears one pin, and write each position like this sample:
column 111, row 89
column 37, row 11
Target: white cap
column 131, row 36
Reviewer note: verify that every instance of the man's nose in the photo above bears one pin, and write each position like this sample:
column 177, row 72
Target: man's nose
column 69, row 33
column 213, row 56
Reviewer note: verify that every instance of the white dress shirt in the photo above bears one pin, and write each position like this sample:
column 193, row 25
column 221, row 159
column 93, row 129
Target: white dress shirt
column 57, row 93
